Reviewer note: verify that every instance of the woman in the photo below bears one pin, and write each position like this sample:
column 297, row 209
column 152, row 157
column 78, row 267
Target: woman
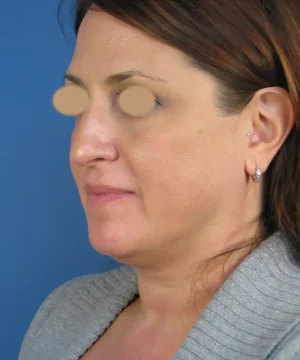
column 199, row 134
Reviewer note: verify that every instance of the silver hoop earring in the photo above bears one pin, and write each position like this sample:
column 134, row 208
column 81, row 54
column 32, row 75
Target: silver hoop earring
column 256, row 178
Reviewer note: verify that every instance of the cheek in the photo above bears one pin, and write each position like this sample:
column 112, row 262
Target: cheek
column 74, row 169
column 77, row 172
column 178, row 170
column 77, row 175
column 167, row 166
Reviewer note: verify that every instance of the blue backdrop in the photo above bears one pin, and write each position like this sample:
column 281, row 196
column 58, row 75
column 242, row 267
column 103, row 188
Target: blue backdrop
column 44, row 240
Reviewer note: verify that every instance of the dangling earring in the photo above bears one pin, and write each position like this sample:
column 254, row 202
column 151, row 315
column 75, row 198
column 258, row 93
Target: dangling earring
column 256, row 178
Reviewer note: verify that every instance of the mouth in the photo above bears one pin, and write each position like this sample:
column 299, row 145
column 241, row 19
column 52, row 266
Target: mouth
column 101, row 199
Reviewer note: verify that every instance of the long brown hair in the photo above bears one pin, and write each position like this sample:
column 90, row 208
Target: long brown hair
column 246, row 46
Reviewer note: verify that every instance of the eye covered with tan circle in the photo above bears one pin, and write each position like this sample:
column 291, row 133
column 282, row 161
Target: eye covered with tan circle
column 70, row 100
column 137, row 101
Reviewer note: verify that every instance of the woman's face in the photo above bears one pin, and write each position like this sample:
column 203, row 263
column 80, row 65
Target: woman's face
column 183, row 160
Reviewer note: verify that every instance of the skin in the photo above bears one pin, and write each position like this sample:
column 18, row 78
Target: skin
column 190, row 168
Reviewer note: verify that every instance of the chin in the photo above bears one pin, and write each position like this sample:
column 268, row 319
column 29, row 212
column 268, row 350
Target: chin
column 112, row 240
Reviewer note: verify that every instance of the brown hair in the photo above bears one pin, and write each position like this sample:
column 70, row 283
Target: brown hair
column 246, row 46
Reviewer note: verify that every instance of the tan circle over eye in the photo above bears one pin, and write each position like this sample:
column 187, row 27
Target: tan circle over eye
column 137, row 100
column 70, row 100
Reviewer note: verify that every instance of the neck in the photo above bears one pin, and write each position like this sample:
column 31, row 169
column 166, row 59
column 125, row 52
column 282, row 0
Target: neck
column 170, row 299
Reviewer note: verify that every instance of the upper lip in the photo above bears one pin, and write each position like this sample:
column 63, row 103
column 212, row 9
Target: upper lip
column 102, row 189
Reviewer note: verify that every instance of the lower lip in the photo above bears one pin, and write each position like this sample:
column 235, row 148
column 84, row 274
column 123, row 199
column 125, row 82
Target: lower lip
column 101, row 199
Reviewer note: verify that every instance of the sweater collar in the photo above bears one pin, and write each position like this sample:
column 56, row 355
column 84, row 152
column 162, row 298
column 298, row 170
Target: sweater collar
column 249, row 313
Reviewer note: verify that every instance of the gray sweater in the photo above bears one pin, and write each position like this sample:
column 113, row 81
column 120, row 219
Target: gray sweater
column 254, row 315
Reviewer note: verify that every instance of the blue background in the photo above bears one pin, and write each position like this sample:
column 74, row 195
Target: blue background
column 44, row 239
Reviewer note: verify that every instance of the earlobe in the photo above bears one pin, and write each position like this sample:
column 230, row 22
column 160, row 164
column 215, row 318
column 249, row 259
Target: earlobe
column 258, row 173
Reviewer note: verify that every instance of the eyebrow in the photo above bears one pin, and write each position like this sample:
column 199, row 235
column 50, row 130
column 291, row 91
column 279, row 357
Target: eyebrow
column 114, row 78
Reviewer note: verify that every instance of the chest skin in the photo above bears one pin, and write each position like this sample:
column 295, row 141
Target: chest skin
column 121, row 341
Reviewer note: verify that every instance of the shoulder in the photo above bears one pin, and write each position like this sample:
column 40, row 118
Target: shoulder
column 274, row 275
column 100, row 285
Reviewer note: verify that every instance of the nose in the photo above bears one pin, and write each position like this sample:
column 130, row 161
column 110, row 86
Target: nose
column 92, row 140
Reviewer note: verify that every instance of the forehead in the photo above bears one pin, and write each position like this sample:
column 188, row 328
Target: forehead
column 106, row 45
column 109, row 45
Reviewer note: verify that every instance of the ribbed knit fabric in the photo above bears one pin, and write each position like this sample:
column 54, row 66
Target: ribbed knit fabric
column 254, row 315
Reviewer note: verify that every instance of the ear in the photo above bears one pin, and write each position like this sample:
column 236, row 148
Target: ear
column 271, row 120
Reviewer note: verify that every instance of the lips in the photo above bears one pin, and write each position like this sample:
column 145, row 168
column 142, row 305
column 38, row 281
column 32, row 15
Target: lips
column 104, row 189
column 100, row 196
